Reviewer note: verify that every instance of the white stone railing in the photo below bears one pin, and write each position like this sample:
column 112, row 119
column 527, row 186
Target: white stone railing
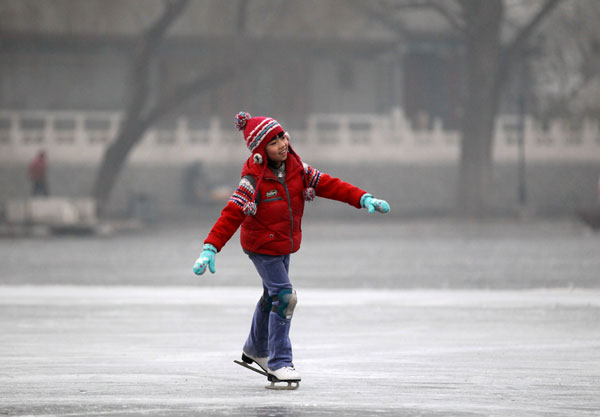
column 82, row 137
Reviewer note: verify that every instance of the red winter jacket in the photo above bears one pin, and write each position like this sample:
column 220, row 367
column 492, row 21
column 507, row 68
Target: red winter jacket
column 276, row 228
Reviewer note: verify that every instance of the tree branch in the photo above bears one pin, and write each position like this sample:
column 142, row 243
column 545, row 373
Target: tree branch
column 156, row 31
column 524, row 34
column 188, row 90
column 440, row 8
column 450, row 17
column 241, row 20
column 150, row 41
column 395, row 25
column 518, row 44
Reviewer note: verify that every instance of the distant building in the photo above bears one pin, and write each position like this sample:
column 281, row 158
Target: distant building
column 319, row 57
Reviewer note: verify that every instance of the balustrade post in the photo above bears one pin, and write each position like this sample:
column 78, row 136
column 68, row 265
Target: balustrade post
column 115, row 122
column 343, row 133
column 15, row 132
column 311, row 129
column 215, row 134
column 49, row 135
column 81, row 137
column 182, row 131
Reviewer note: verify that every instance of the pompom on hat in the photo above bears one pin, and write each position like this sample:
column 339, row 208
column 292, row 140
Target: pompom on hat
column 258, row 131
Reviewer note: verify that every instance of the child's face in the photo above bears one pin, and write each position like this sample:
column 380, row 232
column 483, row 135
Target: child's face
column 277, row 148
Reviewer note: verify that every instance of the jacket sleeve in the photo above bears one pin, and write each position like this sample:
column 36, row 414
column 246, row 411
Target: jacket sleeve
column 230, row 220
column 232, row 215
column 333, row 188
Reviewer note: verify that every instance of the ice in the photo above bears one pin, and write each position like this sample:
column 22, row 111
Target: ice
column 121, row 326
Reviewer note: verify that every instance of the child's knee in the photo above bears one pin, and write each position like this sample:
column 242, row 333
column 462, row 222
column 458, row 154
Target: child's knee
column 285, row 303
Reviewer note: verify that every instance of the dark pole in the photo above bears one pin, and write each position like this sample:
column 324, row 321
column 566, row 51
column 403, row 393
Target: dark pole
column 522, row 99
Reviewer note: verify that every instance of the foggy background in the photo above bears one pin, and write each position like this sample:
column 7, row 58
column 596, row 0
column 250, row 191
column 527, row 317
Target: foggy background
column 133, row 101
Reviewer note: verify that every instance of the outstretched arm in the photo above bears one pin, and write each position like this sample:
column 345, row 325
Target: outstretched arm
column 230, row 220
column 335, row 189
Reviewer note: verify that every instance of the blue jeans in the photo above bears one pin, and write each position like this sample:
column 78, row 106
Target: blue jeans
column 269, row 334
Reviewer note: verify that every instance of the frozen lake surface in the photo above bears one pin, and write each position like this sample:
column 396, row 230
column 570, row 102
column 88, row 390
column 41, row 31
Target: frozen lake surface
column 168, row 351
column 394, row 319
column 375, row 252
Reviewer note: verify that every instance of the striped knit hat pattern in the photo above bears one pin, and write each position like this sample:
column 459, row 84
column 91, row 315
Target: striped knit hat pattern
column 258, row 131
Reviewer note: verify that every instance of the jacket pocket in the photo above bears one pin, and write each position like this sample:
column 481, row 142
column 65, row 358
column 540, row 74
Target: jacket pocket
column 268, row 200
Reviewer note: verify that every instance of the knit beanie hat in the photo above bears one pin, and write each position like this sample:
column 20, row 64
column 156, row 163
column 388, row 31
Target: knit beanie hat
column 258, row 132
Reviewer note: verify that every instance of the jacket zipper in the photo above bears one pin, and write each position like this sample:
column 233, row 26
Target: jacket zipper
column 287, row 193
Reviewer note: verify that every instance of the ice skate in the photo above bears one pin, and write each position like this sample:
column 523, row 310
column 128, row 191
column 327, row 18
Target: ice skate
column 287, row 374
column 248, row 360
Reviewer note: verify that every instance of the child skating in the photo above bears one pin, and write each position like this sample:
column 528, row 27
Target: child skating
column 268, row 204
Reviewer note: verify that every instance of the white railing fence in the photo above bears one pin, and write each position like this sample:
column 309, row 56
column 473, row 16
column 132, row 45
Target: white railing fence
column 82, row 137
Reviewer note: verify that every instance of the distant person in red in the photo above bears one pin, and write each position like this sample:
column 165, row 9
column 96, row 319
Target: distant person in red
column 37, row 175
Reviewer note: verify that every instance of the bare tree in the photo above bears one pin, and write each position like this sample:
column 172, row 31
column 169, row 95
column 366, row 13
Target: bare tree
column 488, row 63
column 568, row 83
column 141, row 112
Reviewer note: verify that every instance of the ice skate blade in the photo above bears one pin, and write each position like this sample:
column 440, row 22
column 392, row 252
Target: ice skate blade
column 252, row 368
column 291, row 385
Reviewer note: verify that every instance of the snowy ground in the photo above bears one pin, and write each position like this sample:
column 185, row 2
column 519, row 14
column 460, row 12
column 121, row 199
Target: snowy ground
column 392, row 328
